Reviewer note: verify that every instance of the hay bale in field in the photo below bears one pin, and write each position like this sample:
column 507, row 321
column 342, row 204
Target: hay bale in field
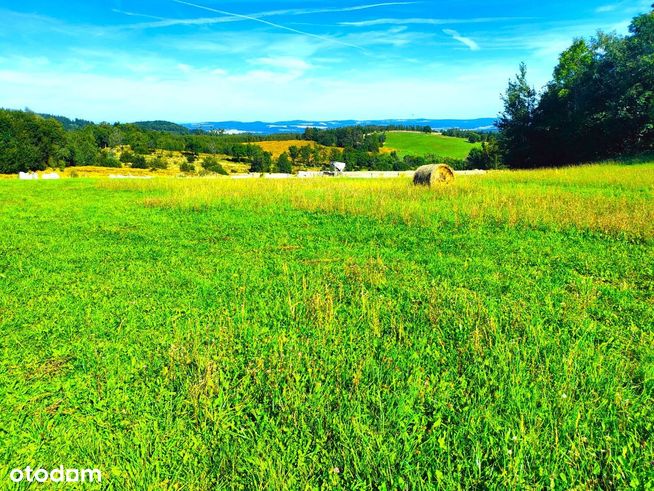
column 431, row 174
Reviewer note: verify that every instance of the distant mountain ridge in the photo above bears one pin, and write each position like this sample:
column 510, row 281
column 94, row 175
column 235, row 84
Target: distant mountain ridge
column 165, row 126
column 298, row 126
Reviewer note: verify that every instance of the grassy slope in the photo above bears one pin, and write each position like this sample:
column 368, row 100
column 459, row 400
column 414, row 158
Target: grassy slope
column 219, row 333
column 408, row 143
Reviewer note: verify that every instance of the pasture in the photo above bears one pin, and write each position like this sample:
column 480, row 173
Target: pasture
column 421, row 144
column 200, row 334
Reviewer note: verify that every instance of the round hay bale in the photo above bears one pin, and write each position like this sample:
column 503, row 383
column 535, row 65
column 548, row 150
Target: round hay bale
column 431, row 174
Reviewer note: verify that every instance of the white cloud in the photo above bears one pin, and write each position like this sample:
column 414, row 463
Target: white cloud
column 607, row 8
column 273, row 92
column 462, row 39
column 285, row 62
column 627, row 7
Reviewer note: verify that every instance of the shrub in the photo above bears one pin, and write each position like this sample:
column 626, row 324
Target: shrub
column 127, row 157
column 108, row 159
column 211, row 164
column 158, row 163
column 284, row 164
column 190, row 157
column 187, row 167
column 139, row 162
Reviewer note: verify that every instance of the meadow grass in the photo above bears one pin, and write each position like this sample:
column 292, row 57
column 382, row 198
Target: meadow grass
column 206, row 334
column 421, row 144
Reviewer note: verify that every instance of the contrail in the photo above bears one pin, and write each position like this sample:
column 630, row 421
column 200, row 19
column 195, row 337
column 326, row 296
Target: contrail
column 262, row 21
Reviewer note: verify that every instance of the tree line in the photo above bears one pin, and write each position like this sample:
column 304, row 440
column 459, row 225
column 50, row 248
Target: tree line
column 599, row 104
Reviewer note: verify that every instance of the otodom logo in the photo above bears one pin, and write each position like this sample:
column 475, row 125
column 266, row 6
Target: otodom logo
column 58, row 474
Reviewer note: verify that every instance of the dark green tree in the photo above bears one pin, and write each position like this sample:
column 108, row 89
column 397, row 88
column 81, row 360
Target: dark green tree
column 516, row 122
column 284, row 164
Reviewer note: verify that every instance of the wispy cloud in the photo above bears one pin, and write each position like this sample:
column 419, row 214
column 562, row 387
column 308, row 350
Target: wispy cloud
column 607, row 8
column 462, row 39
column 165, row 22
column 428, row 21
column 135, row 14
column 272, row 24
column 628, row 7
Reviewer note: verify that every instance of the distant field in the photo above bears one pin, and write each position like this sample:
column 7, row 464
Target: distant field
column 201, row 334
column 409, row 143
column 279, row 147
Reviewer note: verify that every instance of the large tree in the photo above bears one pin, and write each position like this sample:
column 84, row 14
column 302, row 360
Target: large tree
column 516, row 123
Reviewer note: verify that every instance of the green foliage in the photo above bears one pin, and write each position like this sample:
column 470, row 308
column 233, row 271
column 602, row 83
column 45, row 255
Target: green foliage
column 190, row 157
column 212, row 164
column 187, row 168
column 284, row 164
column 305, row 155
column 139, row 162
column 600, row 103
column 261, row 161
column 516, row 123
column 158, row 163
column 108, row 159
column 486, row 157
column 83, row 147
column 69, row 124
column 294, row 153
column 470, row 135
column 163, row 126
column 29, row 142
column 366, row 138
column 127, row 157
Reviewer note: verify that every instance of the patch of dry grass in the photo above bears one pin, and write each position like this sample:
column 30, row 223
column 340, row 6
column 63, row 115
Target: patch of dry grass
column 279, row 147
column 611, row 199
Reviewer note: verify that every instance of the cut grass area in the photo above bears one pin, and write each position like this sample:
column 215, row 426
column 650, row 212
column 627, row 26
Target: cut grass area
column 421, row 144
column 220, row 334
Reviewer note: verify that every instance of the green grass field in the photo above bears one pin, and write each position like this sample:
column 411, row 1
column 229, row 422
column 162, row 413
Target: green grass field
column 201, row 334
column 421, row 144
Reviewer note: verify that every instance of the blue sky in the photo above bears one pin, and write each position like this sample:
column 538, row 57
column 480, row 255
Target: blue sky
column 213, row 60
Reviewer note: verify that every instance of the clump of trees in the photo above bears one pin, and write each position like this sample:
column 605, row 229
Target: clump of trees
column 366, row 138
column 599, row 105
column 29, row 142
column 211, row 165
column 470, row 135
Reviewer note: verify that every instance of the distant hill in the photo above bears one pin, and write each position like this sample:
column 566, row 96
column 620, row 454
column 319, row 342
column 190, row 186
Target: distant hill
column 298, row 126
column 69, row 124
column 166, row 126
column 405, row 143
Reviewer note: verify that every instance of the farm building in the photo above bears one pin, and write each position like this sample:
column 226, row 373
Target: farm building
column 337, row 167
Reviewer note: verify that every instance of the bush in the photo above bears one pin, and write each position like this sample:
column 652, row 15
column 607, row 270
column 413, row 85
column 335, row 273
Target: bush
column 211, row 164
column 486, row 157
column 127, row 157
column 187, row 168
column 158, row 163
column 190, row 157
column 284, row 164
column 108, row 159
column 139, row 162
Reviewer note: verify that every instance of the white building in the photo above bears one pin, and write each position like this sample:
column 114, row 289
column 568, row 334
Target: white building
column 338, row 167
